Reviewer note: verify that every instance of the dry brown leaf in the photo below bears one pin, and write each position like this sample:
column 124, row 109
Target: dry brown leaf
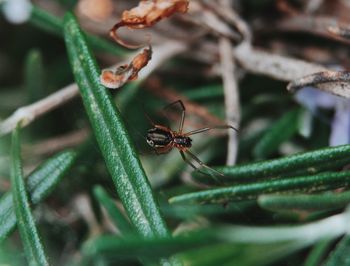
column 146, row 14
column 114, row 79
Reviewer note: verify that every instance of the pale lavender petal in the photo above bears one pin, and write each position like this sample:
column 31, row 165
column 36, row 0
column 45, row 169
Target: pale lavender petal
column 306, row 97
column 340, row 131
column 312, row 98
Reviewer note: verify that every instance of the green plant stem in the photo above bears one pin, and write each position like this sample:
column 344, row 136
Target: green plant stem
column 32, row 244
column 119, row 153
column 311, row 183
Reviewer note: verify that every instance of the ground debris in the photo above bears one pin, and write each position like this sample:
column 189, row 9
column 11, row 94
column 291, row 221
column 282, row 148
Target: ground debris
column 114, row 79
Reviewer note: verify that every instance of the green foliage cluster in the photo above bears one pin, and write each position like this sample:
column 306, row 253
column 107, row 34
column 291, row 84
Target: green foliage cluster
column 162, row 220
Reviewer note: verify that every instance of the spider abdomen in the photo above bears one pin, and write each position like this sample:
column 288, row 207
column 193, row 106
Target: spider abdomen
column 158, row 137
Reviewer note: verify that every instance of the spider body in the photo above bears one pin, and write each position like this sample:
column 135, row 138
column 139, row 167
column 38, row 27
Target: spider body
column 163, row 139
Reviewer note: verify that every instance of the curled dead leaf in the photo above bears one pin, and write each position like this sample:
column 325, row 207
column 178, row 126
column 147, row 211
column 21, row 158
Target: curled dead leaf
column 146, row 14
column 334, row 82
column 114, row 79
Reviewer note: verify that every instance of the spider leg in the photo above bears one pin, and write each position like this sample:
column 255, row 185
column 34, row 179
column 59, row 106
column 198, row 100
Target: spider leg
column 195, row 167
column 162, row 150
column 197, row 131
column 147, row 115
column 187, row 160
column 203, row 164
column 183, row 113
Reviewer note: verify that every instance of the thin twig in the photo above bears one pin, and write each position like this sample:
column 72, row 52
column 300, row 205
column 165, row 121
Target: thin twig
column 232, row 106
column 316, row 25
column 29, row 113
column 275, row 66
column 205, row 18
column 81, row 204
column 52, row 145
column 226, row 12
column 287, row 69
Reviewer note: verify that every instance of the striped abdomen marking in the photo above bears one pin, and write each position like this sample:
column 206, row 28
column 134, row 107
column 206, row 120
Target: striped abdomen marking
column 157, row 137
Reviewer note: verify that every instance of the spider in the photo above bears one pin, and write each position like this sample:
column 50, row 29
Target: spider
column 163, row 139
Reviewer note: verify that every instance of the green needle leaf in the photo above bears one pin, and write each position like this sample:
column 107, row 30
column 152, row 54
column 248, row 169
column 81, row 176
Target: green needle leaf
column 315, row 256
column 32, row 244
column 340, row 255
column 40, row 184
column 280, row 131
column 119, row 153
column 114, row 213
column 134, row 247
column 325, row 201
column 238, row 254
column 296, row 164
column 204, row 247
column 311, row 183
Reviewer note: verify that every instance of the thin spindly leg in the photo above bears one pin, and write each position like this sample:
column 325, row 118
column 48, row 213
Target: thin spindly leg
column 147, row 116
column 188, row 161
column 201, row 130
column 203, row 164
column 192, row 165
column 183, row 113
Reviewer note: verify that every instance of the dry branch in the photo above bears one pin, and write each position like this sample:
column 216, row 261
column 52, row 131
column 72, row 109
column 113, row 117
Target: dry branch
column 286, row 69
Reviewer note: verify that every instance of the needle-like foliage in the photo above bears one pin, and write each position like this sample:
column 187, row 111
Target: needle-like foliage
column 85, row 184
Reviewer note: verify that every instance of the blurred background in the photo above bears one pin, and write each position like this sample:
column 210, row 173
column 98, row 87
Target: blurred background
column 200, row 57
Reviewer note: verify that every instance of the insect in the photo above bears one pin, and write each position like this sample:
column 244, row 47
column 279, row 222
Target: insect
column 163, row 139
